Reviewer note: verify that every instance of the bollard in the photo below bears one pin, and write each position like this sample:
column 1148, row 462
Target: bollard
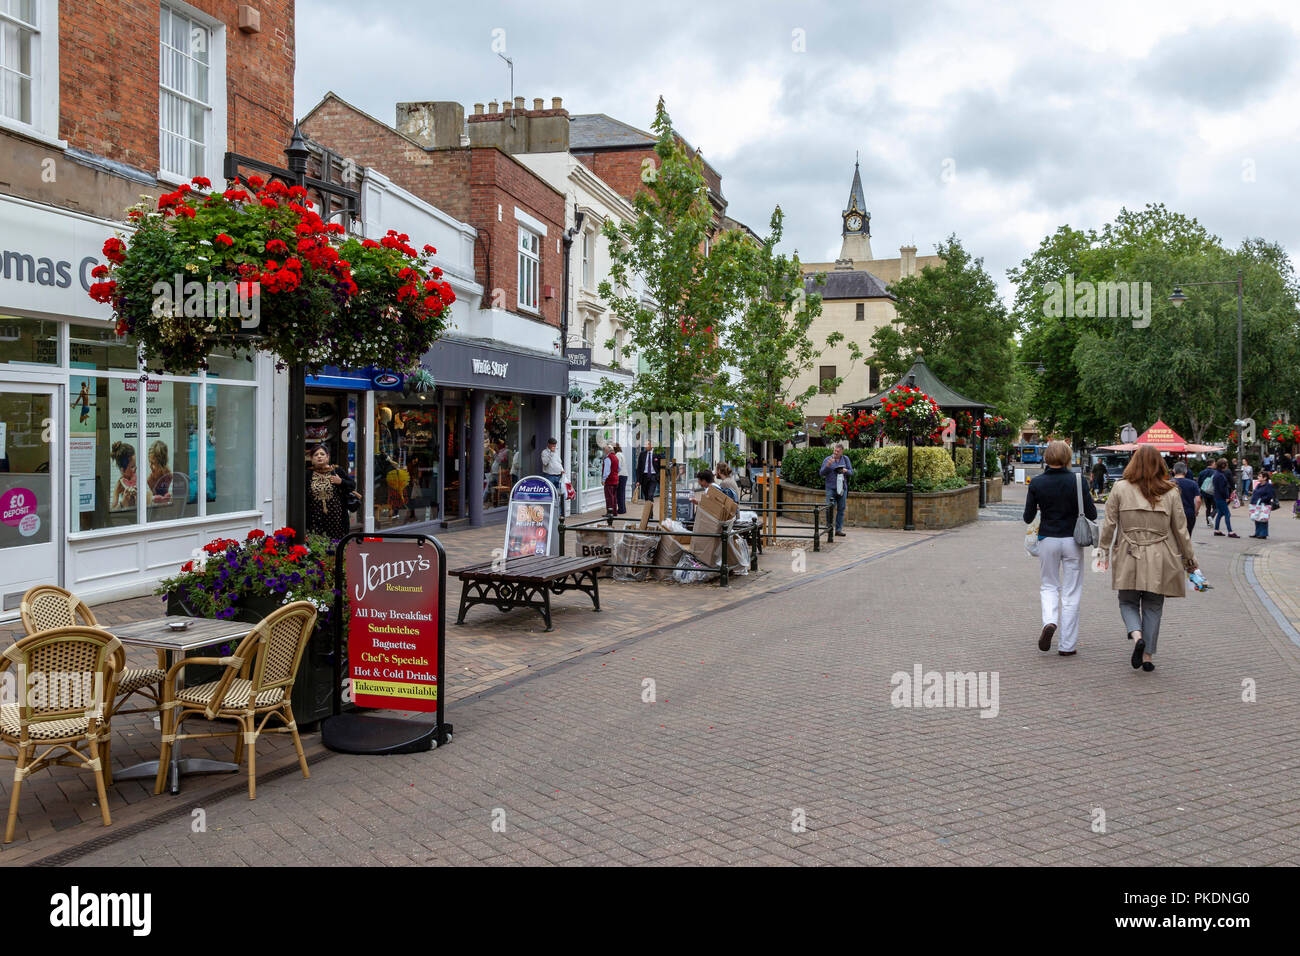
column 817, row 528
column 561, row 530
column 725, row 577
column 830, row 523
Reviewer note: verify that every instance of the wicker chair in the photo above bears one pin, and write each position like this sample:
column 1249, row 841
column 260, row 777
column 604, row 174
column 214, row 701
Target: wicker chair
column 257, row 685
column 46, row 606
column 65, row 675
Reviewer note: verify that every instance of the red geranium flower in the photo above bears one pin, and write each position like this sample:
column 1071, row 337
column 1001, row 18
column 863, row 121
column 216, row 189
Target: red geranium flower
column 115, row 250
column 255, row 533
column 224, row 239
column 202, row 181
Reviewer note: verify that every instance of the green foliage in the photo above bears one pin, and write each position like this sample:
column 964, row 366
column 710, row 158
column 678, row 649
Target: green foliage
column 1102, row 372
column 691, row 295
column 770, row 344
column 953, row 314
column 932, row 464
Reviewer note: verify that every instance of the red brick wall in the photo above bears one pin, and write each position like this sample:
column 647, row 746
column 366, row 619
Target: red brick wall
column 468, row 184
column 108, row 90
column 621, row 169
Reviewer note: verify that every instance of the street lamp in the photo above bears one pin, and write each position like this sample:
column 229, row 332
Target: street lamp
column 1178, row 298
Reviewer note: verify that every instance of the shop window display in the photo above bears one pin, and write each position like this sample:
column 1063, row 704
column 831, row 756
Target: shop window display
column 406, row 462
column 501, row 449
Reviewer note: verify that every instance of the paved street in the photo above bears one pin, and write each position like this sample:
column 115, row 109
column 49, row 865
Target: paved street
column 779, row 711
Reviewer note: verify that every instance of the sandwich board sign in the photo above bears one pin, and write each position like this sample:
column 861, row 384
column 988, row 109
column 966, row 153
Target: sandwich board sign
column 530, row 517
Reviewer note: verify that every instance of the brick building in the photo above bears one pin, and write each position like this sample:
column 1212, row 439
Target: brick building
column 100, row 103
column 500, row 375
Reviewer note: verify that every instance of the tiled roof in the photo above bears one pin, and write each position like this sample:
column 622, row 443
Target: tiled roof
column 846, row 284
column 596, row 130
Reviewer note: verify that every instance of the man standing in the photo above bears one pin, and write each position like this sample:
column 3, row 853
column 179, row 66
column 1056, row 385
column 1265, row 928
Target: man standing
column 836, row 469
column 647, row 470
column 552, row 466
column 1191, row 493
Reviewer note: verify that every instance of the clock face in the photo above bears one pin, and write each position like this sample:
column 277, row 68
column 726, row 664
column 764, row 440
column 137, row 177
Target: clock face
column 854, row 222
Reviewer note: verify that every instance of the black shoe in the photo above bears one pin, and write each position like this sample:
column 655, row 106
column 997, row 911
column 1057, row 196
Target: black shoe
column 1067, row 653
column 1045, row 638
column 1148, row 666
column 840, row 534
column 1138, row 647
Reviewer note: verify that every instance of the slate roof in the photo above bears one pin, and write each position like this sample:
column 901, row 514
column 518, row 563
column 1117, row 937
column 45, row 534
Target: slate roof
column 929, row 383
column 848, row 284
column 597, row 131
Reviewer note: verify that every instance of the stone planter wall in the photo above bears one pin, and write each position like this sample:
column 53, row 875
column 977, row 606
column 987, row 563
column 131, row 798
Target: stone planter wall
column 993, row 489
column 866, row 509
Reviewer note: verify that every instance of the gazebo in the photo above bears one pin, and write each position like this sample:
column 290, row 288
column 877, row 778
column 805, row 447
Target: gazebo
column 950, row 401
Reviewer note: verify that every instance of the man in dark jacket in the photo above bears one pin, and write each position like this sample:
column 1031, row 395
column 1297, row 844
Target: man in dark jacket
column 647, row 470
column 1222, row 492
column 1207, row 497
column 1191, row 493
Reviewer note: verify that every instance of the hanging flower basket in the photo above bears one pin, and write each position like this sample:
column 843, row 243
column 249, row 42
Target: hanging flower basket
column 1284, row 432
column 995, row 426
column 255, row 267
column 907, row 409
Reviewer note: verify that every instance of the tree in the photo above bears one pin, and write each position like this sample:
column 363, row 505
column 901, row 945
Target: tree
column 770, row 342
column 1179, row 365
column 953, row 314
column 692, row 292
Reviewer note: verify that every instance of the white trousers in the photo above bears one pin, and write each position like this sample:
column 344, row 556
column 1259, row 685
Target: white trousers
column 1061, row 587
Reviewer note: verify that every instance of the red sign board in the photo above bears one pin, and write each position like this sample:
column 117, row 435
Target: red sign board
column 394, row 618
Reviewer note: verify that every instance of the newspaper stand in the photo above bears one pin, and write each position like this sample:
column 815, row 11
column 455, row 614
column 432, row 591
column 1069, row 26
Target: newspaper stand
column 362, row 733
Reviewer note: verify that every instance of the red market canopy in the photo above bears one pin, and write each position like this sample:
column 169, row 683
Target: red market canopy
column 1165, row 440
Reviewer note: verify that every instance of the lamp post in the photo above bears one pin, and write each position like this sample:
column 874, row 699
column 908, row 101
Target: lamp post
column 908, row 524
column 1178, row 298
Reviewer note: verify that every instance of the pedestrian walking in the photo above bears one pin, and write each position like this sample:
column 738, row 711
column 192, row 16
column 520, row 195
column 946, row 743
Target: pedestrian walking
column 1099, row 477
column 1191, row 495
column 1054, row 497
column 609, row 481
column 647, row 470
column 1262, row 502
column 327, row 496
column 622, row 478
column 1247, row 477
column 1152, row 550
column 1222, row 492
column 836, row 469
column 1205, row 480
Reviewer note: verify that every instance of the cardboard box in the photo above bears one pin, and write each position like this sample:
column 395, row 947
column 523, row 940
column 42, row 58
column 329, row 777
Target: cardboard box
column 647, row 513
column 666, row 558
column 706, row 549
column 720, row 506
column 597, row 544
column 683, row 539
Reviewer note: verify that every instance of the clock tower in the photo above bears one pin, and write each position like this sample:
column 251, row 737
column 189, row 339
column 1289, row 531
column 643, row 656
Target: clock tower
column 856, row 226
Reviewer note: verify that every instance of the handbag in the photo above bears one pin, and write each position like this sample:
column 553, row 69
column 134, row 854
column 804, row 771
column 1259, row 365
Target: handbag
column 1085, row 530
column 1260, row 512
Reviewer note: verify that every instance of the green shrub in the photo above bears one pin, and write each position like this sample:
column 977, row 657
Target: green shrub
column 931, row 463
column 799, row 466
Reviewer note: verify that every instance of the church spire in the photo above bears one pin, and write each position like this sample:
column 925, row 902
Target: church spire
column 857, row 200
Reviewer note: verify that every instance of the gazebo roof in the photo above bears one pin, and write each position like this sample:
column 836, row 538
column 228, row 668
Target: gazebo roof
column 928, row 382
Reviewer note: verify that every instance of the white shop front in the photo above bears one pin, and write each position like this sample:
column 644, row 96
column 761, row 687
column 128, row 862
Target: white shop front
column 100, row 491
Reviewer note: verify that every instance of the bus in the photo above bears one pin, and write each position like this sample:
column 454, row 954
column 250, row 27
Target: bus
column 1030, row 454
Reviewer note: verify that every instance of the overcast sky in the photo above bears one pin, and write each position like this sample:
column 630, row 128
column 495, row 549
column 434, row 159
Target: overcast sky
column 997, row 122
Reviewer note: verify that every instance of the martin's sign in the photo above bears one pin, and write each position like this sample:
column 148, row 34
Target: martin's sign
column 46, row 257
column 486, row 367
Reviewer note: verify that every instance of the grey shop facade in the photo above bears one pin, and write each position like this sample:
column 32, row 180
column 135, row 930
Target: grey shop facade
column 447, row 454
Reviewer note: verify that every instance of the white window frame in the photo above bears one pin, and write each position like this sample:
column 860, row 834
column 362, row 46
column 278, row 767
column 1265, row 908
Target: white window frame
column 587, row 244
column 529, row 267
column 45, row 77
column 215, row 128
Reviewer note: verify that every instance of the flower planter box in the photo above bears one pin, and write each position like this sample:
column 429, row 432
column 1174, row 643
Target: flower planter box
column 311, row 700
column 1286, row 492
column 866, row 509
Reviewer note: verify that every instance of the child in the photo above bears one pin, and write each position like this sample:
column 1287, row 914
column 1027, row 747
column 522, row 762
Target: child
column 123, row 456
column 1263, row 498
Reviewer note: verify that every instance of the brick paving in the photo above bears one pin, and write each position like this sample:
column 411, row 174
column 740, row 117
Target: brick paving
column 778, row 708
column 58, row 807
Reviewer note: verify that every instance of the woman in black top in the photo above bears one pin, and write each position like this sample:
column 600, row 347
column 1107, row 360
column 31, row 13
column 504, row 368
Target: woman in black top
column 1054, row 497
column 327, row 496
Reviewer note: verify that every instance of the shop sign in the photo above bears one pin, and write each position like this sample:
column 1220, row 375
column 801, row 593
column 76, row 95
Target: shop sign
column 487, row 367
column 394, row 623
column 530, row 518
column 46, row 258
column 579, row 359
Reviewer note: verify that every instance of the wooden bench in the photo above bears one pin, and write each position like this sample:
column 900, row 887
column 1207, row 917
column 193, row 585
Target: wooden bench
column 526, row 582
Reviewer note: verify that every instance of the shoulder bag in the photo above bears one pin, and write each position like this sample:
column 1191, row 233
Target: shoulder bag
column 1085, row 530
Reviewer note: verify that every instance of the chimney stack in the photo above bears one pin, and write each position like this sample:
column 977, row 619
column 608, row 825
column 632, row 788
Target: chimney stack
column 478, row 109
column 519, row 103
column 434, row 124
column 492, row 106
column 907, row 263
column 537, row 103
column 557, row 103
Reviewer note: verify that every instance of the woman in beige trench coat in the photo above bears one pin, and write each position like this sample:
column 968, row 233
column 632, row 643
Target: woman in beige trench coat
column 1152, row 551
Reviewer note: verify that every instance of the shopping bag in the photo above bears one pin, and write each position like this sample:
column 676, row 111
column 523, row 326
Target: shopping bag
column 1031, row 540
column 568, row 488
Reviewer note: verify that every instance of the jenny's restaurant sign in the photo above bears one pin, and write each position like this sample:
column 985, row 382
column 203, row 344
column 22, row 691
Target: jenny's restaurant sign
column 394, row 616
column 46, row 258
